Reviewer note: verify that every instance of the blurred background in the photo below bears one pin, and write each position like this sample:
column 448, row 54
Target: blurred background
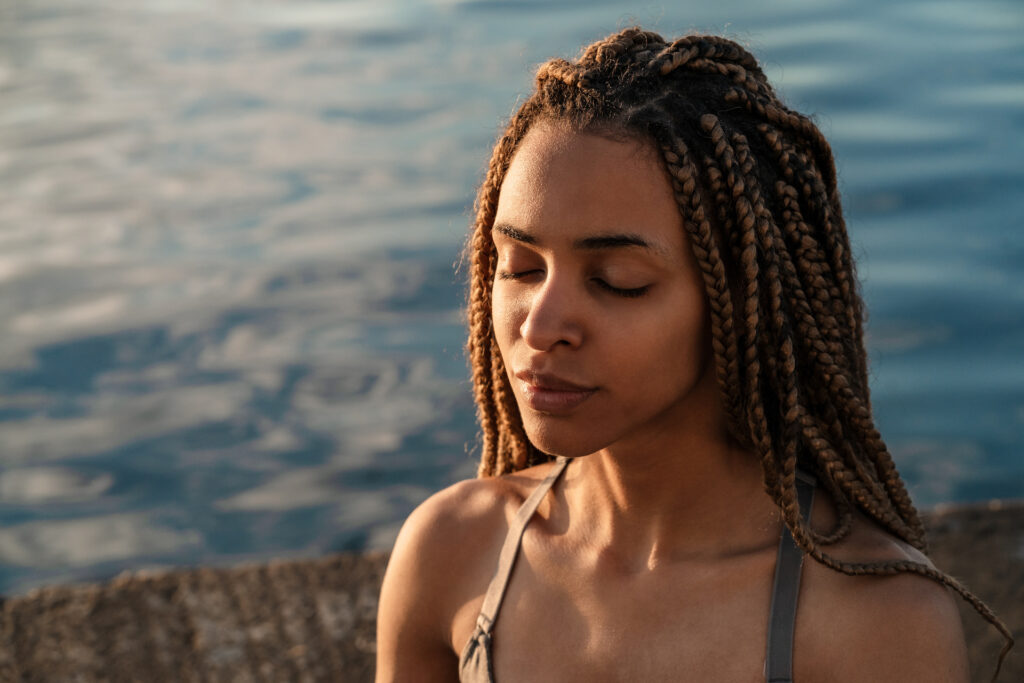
column 228, row 231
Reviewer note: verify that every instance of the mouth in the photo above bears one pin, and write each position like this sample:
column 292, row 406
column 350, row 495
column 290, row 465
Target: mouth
column 551, row 394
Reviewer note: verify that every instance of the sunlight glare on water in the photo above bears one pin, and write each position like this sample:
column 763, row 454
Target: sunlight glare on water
column 230, row 229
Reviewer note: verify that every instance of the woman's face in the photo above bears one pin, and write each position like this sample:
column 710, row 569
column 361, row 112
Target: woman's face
column 598, row 305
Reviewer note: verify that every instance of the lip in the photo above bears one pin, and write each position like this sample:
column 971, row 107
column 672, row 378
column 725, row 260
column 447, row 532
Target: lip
column 551, row 394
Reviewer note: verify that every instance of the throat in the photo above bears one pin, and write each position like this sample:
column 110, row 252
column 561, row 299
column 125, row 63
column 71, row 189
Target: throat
column 639, row 518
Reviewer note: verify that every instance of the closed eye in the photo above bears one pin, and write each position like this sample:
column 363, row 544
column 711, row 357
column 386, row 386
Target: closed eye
column 630, row 293
column 509, row 275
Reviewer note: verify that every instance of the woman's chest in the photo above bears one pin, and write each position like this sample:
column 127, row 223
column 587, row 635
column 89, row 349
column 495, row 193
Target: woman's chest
column 685, row 623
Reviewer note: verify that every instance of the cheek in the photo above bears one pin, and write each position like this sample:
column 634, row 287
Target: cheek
column 671, row 349
column 506, row 316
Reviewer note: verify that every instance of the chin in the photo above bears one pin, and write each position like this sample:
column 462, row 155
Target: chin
column 560, row 441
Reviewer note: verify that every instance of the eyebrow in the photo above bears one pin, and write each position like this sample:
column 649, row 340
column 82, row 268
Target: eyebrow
column 611, row 241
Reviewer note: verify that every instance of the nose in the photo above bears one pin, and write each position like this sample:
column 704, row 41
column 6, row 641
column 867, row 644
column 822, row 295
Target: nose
column 552, row 317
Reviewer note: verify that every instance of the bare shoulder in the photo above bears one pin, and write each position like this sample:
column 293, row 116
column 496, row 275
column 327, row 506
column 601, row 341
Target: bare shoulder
column 452, row 531
column 443, row 559
column 901, row 627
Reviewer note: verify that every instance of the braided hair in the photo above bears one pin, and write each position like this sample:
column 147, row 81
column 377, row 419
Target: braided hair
column 755, row 183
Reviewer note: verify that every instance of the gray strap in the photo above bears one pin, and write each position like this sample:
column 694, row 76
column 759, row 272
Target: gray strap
column 509, row 551
column 778, row 660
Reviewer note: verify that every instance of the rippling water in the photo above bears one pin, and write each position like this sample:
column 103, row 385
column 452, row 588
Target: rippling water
column 228, row 230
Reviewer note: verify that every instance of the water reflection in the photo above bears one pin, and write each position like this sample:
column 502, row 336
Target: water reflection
column 228, row 231
column 83, row 542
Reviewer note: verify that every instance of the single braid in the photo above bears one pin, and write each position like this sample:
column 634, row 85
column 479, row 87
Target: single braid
column 632, row 40
column 562, row 71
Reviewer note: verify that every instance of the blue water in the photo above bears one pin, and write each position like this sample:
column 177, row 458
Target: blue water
column 228, row 230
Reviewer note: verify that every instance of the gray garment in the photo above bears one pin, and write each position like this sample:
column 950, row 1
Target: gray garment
column 476, row 666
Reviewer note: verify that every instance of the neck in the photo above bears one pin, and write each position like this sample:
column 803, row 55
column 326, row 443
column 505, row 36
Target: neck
column 686, row 493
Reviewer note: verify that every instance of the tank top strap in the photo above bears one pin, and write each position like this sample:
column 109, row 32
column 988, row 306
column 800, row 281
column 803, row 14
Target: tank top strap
column 778, row 660
column 510, row 550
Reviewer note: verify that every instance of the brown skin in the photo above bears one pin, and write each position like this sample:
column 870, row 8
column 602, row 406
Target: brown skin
column 652, row 558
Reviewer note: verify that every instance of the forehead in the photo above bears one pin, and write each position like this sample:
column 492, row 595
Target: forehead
column 571, row 183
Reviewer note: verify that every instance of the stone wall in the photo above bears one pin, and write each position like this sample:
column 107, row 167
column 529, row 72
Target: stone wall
column 314, row 620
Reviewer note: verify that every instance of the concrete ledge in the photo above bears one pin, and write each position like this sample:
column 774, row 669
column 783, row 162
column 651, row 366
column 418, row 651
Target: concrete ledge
column 314, row 620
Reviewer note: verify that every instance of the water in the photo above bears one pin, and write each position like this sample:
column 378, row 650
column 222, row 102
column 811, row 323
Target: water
column 228, row 230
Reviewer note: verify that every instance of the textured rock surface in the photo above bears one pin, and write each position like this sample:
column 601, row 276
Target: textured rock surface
column 300, row 621
column 983, row 547
column 314, row 620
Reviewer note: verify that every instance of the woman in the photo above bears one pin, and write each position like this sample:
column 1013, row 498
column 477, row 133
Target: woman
column 667, row 355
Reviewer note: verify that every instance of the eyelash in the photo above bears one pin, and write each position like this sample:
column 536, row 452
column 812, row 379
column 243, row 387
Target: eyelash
column 618, row 291
column 628, row 293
